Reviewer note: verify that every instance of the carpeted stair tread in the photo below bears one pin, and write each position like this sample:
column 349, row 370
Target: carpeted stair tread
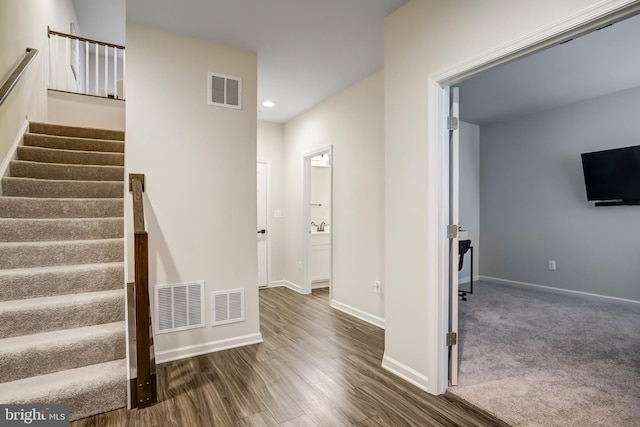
column 88, row 390
column 38, row 354
column 75, row 131
column 72, row 143
column 53, row 155
column 36, row 315
column 31, row 187
column 25, row 283
column 61, row 171
column 45, row 254
column 44, row 229
column 35, row 207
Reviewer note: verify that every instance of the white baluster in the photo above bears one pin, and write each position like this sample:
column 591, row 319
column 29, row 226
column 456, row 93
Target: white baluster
column 97, row 70
column 124, row 71
column 67, row 62
column 86, row 67
column 115, row 72
column 106, row 70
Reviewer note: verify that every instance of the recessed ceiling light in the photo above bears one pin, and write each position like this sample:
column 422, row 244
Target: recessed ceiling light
column 268, row 104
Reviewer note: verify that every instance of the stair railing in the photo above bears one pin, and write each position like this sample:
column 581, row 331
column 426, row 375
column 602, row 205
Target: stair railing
column 86, row 66
column 17, row 74
column 143, row 386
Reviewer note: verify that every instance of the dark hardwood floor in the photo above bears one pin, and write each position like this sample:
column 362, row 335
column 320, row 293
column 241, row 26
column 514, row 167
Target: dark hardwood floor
column 316, row 367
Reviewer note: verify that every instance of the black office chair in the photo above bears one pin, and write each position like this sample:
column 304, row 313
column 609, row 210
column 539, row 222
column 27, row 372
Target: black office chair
column 463, row 247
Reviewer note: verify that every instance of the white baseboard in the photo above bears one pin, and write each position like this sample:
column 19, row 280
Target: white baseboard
column 463, row 280
column 11, row 154
column 355, row 312
column 288, row 284
column 405, row 372
column 205, row 348
column 525, row 285
column 320, row 285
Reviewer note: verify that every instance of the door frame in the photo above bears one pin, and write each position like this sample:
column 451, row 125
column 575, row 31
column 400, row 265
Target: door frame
column 306, row 219
column 604, row 13
column 268, row 234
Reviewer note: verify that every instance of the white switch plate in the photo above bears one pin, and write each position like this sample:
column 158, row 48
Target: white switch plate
column 277, row 213
column 552, row 265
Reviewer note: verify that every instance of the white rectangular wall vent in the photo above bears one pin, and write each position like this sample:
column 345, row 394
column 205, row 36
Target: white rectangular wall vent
column 225, row 91
column 227, row 307
column 179, row 307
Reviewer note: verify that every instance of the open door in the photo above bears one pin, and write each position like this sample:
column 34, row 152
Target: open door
column 263, row 253
column 452, row 232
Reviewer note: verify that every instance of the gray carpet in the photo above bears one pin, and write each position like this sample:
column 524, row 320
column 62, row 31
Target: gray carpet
column 536, row 358
column 62, row 329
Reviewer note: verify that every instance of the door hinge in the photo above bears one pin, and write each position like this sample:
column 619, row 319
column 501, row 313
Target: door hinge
column 452, row 123
column 452, row 339
column 452, row 231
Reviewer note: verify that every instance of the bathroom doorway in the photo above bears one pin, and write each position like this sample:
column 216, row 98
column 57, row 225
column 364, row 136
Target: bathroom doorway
column 318, row 223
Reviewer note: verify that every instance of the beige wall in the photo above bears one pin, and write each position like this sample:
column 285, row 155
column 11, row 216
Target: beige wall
column 351, row 121
column 23, row 23
column 80, row 110
column 423, row 38
column 271, row 148
column 200, row 167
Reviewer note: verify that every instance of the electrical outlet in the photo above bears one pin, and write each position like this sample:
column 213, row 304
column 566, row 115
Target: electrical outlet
column 552, row 265
column 300, row 265
column 277, row 213
column 376, row 286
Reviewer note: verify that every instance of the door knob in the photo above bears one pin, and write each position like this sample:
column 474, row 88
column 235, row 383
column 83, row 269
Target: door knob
column 263, row 231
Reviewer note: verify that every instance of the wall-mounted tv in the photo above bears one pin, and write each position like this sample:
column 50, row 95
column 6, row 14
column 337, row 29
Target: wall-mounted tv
column 612, row 177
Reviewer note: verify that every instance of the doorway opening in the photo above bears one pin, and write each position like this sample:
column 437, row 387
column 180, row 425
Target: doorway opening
column 263, row 223
column 317, row 220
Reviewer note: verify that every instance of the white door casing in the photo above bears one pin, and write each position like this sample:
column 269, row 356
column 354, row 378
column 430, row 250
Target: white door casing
column 454, row 219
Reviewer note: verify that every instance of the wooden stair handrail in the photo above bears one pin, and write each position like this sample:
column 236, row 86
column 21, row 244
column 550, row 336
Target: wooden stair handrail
column 17, row 74
column 144, row 393
column 83, row 39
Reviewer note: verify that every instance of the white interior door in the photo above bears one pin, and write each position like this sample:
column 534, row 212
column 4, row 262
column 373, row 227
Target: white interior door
column 454, row 219
column 263, row 256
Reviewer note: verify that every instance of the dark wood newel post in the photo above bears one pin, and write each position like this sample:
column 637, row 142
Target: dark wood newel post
column 145, row 383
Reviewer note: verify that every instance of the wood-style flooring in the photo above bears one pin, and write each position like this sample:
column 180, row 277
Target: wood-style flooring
column 317, row 367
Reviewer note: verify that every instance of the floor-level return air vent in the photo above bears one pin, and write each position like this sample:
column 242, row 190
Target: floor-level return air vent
column 227, row 307
column 225, row 91
column 179, row 307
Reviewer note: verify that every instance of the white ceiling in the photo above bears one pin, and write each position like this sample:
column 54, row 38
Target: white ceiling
column 599, row 63
column 307, row 50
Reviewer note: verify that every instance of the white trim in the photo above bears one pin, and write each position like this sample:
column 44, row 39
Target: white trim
column 205, row 348
column 355, row 312
column 406, row 373
column 320, row 285
column 286, row 284
column 591, row 18
column 11, row 154
column 525, row 285
column 579, row 23
column 463, row 280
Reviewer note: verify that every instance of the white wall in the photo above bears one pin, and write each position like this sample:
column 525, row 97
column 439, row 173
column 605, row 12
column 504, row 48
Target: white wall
column 422, row 38
column 534, row 204
column 200, row 167
column 23, row 23
column 271, row 148
column 351, row 121
column 470, row 195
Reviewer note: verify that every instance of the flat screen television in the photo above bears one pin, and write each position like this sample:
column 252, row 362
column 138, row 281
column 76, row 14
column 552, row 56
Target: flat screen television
column 612, row 177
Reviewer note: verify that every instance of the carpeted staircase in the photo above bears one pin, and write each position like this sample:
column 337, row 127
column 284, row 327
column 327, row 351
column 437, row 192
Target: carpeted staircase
column 62, row 330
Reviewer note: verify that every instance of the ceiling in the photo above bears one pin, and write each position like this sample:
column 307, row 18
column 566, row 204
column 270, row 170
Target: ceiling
column 307, row 50
column 596, row 64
